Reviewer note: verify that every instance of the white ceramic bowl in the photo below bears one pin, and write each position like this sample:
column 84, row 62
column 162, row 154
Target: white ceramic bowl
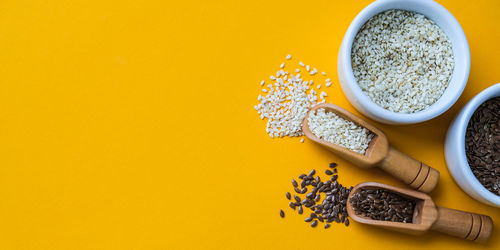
column 455, row 150
column 445, row 20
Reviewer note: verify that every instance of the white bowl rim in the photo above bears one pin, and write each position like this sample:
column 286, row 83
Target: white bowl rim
column 440, row 106
column 462, row 123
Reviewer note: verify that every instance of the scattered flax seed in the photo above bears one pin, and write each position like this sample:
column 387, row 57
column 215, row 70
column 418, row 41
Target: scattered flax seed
column 288, row 57
column 282, row 65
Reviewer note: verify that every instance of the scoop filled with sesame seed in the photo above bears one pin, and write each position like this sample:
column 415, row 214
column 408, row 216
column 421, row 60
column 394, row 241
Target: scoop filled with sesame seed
column 366, row 146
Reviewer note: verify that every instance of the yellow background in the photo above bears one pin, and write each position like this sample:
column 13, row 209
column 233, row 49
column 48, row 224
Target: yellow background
column 130, row 125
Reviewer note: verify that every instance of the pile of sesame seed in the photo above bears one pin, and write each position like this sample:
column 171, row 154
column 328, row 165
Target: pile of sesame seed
column 330, row 127
column 287, row 100
column 402, row 60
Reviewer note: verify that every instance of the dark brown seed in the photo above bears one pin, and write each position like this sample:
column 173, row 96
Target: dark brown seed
column 314, row 223
column 292, row 206
column 346, row 222
column 282, row 213
column 318, row 197
column 308, row 219
column 328, row 172
column 288, row 195
column 296, row 198
column 303, row 191
column 334, row 171
column 294, row 183
column 482, row 144
column 333, row 165
column 334, row 177
column 312, row 172
column 302, row 176
column 300, row 210
column 297, row 190
column 327, row 225
column 320, row 218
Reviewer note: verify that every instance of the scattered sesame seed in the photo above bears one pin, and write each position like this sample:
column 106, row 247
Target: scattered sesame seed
column 323, row 73
column 264, row 90
column 301, row 64
column 282, row 65
column 297, row 70
column 302, row 140
column 262, row 83
column 288, row 57
column 308, row 68
column 328, row 84
column 319, row 86
column 272, row 78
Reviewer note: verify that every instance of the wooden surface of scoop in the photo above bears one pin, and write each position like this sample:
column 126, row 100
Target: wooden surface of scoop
column 428, row 216
column 378, row 154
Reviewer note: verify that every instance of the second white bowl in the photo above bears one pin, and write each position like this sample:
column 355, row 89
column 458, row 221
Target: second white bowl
column 456, row 158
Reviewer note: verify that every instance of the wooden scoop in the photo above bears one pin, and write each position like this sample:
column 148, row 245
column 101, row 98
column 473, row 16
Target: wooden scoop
column 378, row 154
column 427, row 216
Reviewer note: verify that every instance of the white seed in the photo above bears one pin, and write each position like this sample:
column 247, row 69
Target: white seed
column 288, row 57
column 319, row 86
column 262, row 83
column 264, row 90
column 301, row 64
column 402, row 61
column 302, row 140
column 332, row 128
column 272, row 78
column 282, row 65
column 308, row 68
column 323, row 73
column 297, row 70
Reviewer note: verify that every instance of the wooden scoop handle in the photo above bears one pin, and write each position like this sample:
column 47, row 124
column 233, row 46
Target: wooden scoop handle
column 470, row 226
column 412, row 172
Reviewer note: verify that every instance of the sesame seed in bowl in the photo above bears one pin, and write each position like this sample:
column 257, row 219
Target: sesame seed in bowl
column 404, row 61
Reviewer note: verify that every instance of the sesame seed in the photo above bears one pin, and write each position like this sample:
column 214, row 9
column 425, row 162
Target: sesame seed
column 308, row 68
column 297, row 70
column 272, row 78
column 302, row 140
column 262, row 83
column 323, row 73
column 282, row 65
column 319, row 86
column 288, row 57
column 301, row 64
column 264, row 90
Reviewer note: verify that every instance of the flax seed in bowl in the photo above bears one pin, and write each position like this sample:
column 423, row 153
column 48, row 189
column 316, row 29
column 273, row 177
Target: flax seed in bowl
column 404, row 61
